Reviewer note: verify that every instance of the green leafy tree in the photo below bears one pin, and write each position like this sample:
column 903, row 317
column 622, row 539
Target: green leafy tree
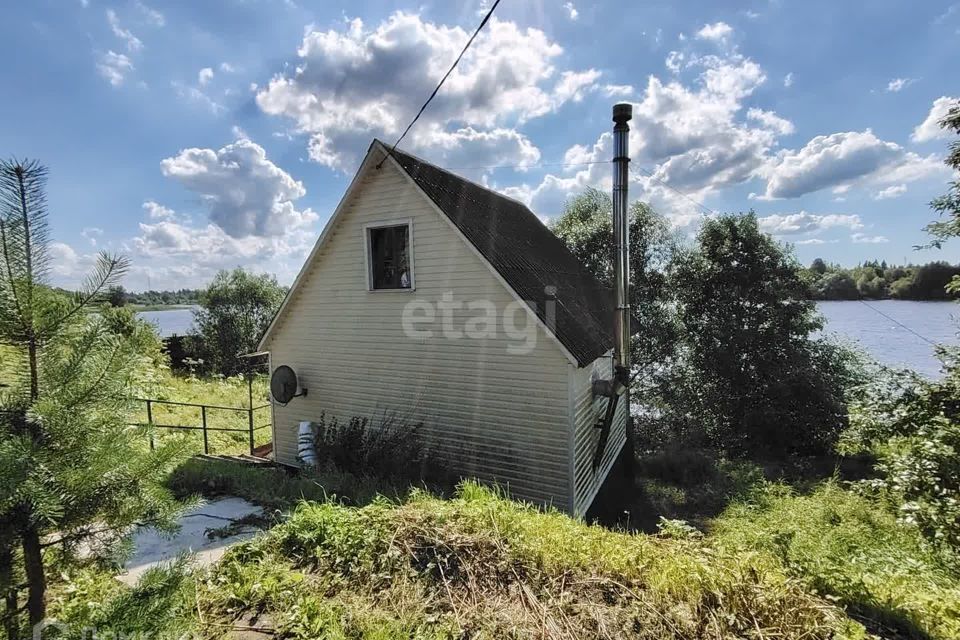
column 116, row 296
column 70, row 467
column 835, row 285
column 586, row 227
column 948, row 205
column 236, row 310
column 753, row 380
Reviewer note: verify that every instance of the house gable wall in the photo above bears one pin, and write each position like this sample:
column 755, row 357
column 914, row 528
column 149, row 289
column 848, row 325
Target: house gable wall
column 495, row 409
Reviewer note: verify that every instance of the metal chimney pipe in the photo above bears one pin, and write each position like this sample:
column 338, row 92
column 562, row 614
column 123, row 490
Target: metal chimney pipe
column 622, row 113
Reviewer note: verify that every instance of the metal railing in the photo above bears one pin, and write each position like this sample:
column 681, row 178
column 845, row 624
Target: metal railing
column 250, row 429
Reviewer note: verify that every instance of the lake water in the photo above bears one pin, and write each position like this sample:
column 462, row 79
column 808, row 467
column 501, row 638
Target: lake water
column 896, row 332
column 170, row 321
column 889, row 330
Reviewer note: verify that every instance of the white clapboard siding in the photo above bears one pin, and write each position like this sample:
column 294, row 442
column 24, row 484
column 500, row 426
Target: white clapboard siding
column 493, row 414
column 586, row 411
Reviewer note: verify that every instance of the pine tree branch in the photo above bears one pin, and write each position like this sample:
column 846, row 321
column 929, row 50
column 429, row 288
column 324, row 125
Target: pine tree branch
column 9, row 275
column 109, row 270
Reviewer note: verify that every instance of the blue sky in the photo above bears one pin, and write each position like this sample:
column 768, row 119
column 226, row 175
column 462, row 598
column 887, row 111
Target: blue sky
column 195, row 136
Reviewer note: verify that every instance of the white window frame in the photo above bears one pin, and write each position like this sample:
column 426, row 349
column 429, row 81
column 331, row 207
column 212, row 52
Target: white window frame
column 368, row 265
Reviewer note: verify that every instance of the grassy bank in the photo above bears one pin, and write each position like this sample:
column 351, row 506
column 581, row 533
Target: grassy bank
column 275, row 487
column 479, row 565
column 802, row 515
column 482, row 566
column 223, row 392
column 821, row 562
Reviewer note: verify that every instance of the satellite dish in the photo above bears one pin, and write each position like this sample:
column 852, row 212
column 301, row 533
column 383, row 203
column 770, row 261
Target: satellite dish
column 283, row 384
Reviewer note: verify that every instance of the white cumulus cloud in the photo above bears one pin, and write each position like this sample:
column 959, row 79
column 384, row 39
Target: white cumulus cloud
column 151, row 15
column 930, row 128
column 862, row 238
column 156, row 211
column 771, row 120
column 204, row 76
column 816, row 241
column 899, row 84
column 893, row 191
column 803, row 222
column 696, row 138
column 357, row 82
column 92, row 234
column 245, row 193
column 839, row 160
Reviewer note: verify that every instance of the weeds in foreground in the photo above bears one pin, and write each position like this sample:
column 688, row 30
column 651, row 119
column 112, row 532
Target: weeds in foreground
column 89, row 603
column 480, row 565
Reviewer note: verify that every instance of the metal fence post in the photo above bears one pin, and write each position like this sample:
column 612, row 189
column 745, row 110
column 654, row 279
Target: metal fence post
column 206, row 442
column 150, row 423
column 250, row 409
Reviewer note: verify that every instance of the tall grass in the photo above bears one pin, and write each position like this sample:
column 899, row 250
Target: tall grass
column 851, row 549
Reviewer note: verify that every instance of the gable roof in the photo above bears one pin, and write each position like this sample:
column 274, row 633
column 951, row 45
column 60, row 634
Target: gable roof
column 516, row 245
column 529, row 257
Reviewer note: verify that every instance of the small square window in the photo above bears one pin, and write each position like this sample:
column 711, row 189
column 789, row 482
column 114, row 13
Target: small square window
column 388, row 249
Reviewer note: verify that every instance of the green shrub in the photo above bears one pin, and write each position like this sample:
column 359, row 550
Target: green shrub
column 389, row 449
column 235, row 310
column 912, row 426
column 692, row 484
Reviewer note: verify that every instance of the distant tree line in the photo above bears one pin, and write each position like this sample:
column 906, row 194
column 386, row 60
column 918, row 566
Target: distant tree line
column 118, row 296
column 878, row 280
column 180, row 296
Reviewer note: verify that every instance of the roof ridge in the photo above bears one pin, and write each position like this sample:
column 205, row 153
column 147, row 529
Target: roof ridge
column 389, row 149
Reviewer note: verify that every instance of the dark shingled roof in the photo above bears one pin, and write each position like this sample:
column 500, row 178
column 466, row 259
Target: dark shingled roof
column 527, row 254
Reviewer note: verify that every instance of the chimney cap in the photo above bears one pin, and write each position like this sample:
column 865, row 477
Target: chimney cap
column 622, row 112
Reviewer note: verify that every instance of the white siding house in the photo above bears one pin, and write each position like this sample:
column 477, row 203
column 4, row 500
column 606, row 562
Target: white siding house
column 391, row 314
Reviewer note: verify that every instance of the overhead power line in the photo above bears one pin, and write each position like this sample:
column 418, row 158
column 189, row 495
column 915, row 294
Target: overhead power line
column 483, row 22
column 897, row 322
column 675, row 190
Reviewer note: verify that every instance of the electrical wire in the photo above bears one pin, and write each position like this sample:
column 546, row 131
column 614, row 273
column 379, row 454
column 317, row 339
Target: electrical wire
column 897, row 322
column 675, row 190
column 483, row 22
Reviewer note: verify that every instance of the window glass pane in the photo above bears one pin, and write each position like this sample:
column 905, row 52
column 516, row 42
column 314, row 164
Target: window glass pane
column 389, row 257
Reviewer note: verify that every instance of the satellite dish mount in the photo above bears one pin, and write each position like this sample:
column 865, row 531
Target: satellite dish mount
column 284, row 386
